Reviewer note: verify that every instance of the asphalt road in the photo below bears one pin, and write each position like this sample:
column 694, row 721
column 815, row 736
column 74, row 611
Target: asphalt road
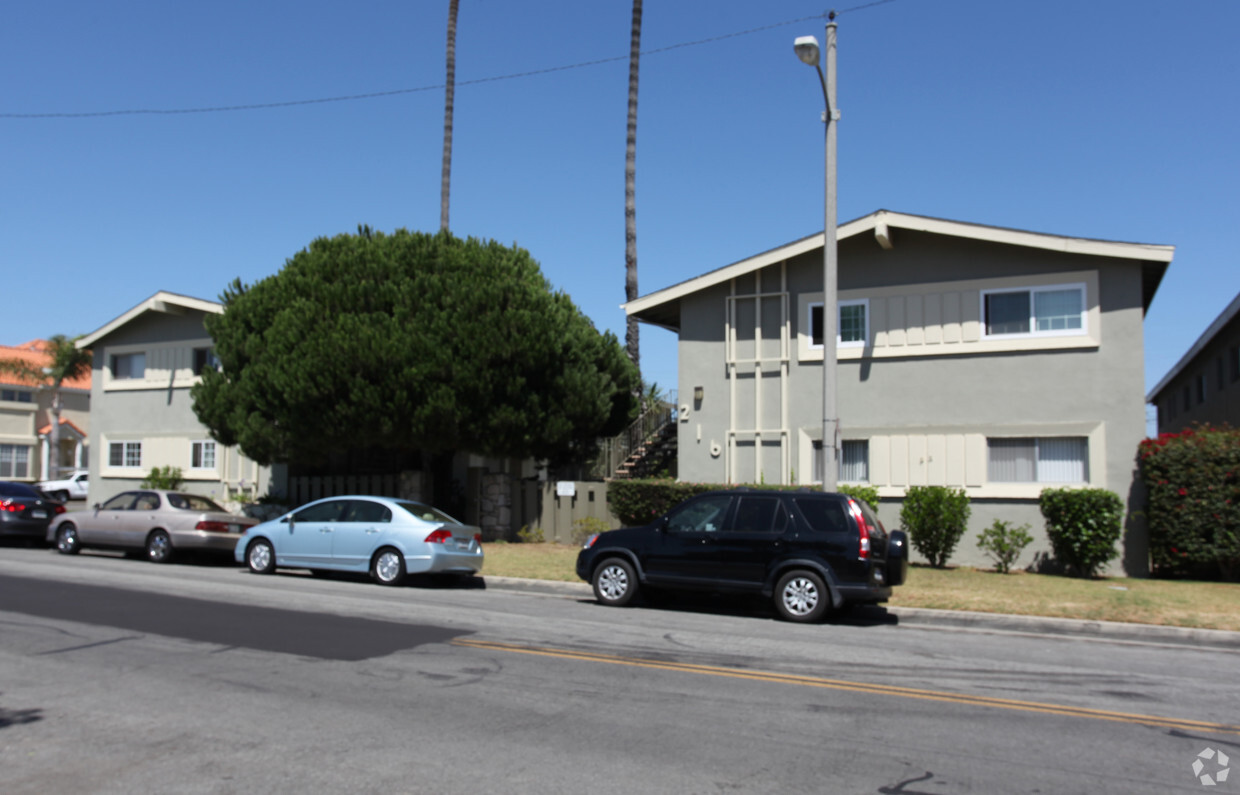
column 117, row 675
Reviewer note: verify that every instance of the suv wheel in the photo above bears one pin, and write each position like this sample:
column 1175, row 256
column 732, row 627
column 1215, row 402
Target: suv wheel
column 615, row 583
column 802, row 596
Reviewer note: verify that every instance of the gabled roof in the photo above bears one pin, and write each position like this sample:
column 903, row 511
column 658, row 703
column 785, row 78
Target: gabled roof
column 34, row 354
column 162, row 302
column 662, row 307
column 64, row 423
column 1220, row 322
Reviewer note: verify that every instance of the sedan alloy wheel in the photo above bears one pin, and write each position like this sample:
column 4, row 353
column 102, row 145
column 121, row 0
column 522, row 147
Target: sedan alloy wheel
column 158, row 547
column 67, row 542
column 388, row 567
column 260, row 557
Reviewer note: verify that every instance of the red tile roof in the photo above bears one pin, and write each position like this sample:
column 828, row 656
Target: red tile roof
column 34, row 353
column 63, row 421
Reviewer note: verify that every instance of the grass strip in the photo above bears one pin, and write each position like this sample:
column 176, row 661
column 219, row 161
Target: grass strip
column 1176, row 603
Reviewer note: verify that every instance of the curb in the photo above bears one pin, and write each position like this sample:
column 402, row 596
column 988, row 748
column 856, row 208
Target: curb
column 1068, row 627
column 959, row 619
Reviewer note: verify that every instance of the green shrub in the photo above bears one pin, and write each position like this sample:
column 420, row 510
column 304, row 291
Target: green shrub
column 1192, row 480
column 1083, row 526
column 530, row 535
column 586, row 527
column 163, row 478
column 1004, row 543
column 867, row 494
column 935, row 518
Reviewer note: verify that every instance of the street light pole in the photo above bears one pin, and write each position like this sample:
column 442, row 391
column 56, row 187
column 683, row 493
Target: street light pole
column 807, row 50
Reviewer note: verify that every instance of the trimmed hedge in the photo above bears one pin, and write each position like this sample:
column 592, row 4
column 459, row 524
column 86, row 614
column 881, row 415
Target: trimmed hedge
column 1193, row 513
column 935, row 518
column 1083, row 526
column 639, row 502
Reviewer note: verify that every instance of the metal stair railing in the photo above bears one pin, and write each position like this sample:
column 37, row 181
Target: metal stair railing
column 615, row 451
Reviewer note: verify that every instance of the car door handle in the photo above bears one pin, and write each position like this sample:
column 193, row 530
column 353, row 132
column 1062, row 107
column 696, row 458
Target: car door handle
column 325, row 529
column 371, row 530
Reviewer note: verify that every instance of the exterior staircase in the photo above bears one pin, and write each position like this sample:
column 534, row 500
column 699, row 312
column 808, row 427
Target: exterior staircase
column 646, row 448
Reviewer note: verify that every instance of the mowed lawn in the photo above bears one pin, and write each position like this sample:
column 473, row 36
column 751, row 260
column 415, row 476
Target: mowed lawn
column 1168, row 602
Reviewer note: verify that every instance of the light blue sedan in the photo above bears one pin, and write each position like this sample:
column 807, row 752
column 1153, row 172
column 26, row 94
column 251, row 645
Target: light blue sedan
column 387, row 537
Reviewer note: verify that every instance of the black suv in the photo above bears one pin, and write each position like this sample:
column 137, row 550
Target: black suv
column 809, row 550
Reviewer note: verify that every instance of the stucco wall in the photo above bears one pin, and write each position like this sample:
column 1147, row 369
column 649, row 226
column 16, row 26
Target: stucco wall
column 922, row 390
column 158, row 411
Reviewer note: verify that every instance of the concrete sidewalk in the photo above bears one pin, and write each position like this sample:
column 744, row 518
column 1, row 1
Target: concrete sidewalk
column 956, row 619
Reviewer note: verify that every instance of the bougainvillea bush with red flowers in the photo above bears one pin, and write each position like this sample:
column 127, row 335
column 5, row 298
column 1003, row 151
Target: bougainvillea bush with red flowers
column 1193, row 482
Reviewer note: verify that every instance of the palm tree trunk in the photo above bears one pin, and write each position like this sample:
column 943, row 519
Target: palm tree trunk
column 630, row 189
column 449, row 97
column 53, row 436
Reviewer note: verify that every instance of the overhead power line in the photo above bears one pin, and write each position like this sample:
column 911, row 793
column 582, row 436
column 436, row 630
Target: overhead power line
column 436, row 87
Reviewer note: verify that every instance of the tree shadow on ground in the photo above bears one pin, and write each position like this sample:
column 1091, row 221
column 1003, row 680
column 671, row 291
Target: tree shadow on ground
column 18, row 717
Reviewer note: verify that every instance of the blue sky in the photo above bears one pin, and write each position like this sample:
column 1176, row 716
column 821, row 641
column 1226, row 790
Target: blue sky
column 1090, row 118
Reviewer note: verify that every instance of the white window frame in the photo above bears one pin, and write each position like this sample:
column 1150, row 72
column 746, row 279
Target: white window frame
column 839, row 343
column 116, row 357
column 815, row 464
column 16, row 395
column 126, row 445
column 201, row 446
column 1038, row 442
column 1033, row 318
column 209, row 359
column 865, row 447
column 9, row 460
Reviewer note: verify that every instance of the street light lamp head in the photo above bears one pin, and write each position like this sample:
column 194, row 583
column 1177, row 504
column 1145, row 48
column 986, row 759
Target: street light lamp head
column 807, row 49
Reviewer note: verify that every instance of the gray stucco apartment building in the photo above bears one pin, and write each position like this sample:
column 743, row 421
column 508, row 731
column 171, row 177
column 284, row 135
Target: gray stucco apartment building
column 1204, row 385
column 995, row 360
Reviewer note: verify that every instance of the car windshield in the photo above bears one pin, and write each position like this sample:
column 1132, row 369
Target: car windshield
column 17, row 490
column 193, row 502
column 425, row 512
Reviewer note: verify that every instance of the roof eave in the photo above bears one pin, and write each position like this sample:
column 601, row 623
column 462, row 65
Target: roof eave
column 1207, row 336
column 880, row 223
column 163, row 302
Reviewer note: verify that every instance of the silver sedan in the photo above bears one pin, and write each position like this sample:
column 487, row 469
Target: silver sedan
column 157, row 522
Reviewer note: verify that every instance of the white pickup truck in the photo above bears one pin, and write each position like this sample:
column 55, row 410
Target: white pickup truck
column 71, row 488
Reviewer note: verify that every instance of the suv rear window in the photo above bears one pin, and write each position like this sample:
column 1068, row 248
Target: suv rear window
column 823, row 515
column 870, row 517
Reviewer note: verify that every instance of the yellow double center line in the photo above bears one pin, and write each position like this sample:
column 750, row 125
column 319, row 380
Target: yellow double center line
column 855, row 687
